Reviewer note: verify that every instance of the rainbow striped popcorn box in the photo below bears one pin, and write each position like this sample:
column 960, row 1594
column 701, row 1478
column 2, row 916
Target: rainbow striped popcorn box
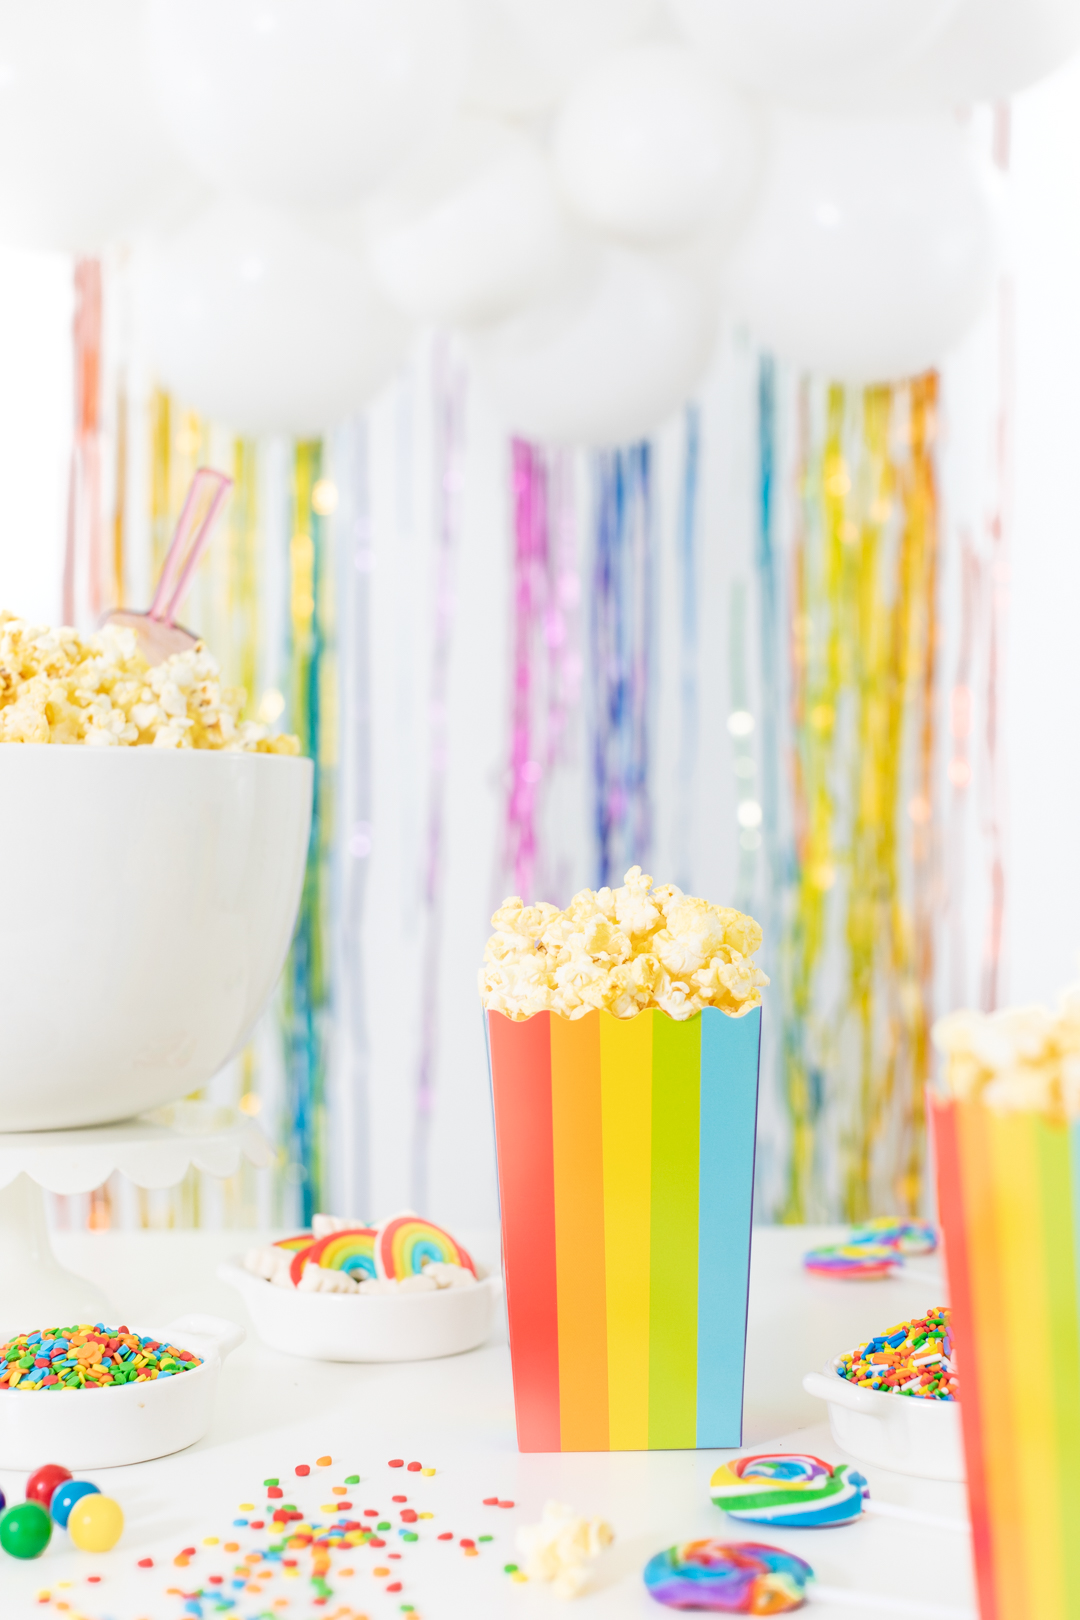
column 626, row 1180
column 1009, row 1201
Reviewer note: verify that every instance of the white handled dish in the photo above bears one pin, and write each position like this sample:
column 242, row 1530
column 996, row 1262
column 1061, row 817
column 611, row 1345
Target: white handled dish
column 367, row 1327
column 115, row 1426
column 909, row 1436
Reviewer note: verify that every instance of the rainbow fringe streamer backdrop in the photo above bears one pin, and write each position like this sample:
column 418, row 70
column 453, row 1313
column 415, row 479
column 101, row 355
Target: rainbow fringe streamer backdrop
column 853, row 877
column 626, row 1169
column 622, row 657
column 1009, row 1198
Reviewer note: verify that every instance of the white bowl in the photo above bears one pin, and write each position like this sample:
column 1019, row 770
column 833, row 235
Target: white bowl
column 907, row 1435
column 367, row 1327
column 149, row 897
column 120, row 1426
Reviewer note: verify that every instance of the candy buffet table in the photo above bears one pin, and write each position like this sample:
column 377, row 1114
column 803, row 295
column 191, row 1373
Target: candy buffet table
column 456, row 1416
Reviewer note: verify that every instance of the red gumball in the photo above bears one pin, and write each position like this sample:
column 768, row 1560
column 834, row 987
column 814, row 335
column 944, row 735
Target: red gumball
column 43, row 1481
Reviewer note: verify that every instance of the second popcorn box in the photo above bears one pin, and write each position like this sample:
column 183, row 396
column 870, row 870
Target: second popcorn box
column 626, row 1172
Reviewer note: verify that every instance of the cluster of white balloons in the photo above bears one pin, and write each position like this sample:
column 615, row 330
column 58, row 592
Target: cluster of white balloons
column 579, row 186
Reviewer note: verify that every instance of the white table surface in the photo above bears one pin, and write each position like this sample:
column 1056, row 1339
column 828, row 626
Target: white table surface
column 275, row 1411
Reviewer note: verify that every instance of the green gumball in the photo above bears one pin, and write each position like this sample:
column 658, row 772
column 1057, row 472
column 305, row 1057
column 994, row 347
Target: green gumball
column 25, row 1530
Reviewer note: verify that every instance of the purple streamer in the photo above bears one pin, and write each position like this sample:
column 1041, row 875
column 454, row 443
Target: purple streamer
column 546, row 665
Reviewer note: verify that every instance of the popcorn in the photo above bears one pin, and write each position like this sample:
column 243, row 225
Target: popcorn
column 561, row 1547
column 621, row 950
column 57, row 686
column 1023, row 1058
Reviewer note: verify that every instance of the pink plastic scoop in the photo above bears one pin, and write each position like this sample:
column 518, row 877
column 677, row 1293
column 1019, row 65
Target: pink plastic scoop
column 158, row 633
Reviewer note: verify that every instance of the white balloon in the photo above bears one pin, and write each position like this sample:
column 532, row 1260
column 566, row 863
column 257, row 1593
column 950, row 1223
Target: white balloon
column 471, row 227
column 871, row 248
column 650, row 147
column 304, row 103
column 252, row 320
column 811, row 51
column 605, row 362
column 988, row 50
column 525, row 53
column 82, row 157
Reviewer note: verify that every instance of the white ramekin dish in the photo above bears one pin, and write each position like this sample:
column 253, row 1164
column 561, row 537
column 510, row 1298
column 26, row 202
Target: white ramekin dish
column 907, row 1435
column 149, row 896
column 367, row 1327
column 109, row 1428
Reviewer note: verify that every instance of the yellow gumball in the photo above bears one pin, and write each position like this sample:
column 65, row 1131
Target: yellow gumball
column 96, row 1523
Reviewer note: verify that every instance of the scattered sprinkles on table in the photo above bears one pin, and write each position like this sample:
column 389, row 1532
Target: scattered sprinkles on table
column 291, row 1561
column 912, row 1358
column 88, row 1357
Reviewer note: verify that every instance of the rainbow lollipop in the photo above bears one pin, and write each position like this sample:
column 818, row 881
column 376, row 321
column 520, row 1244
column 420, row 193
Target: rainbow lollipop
column 903, row 1237
column 789, row 1488
column 866, row 1260
column 352, row 1251
column 742, row 1577
column 405, row 1242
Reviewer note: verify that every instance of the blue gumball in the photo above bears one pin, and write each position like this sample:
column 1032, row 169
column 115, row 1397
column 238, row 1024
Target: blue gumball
column 65, row 1497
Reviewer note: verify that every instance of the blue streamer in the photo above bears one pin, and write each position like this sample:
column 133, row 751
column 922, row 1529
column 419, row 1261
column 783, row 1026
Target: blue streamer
column 622, row 658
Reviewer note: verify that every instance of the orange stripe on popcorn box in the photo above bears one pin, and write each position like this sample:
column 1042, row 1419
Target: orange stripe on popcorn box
column 626, row 1176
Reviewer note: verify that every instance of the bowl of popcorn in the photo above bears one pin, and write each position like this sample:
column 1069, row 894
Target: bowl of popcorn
column 154, row 850
column 401, row 1289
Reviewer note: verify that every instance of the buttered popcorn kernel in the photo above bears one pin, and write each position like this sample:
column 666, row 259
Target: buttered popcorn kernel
column 57, row 686
column 1023, row 1058
column 622, row 950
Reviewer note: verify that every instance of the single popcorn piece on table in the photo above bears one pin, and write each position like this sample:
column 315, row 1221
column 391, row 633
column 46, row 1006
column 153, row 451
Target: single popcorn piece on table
column 562, row 1547
column 622, row 950
column 57, row 686
column 1022, row 1058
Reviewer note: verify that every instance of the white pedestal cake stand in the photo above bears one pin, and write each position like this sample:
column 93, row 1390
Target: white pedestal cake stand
column 155, row 1150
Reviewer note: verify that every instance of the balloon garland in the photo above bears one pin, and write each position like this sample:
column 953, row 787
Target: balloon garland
column 622, row 652
column 857, row 951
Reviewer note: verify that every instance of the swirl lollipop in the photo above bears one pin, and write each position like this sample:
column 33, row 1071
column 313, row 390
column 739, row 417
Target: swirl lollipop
column 904, row 1237
column 405, row 1242
column 865, row 1260
column 746, row 1577
column 352, row 1251
column 742, row 1577
column 790, row 1489
column 877, row 1248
